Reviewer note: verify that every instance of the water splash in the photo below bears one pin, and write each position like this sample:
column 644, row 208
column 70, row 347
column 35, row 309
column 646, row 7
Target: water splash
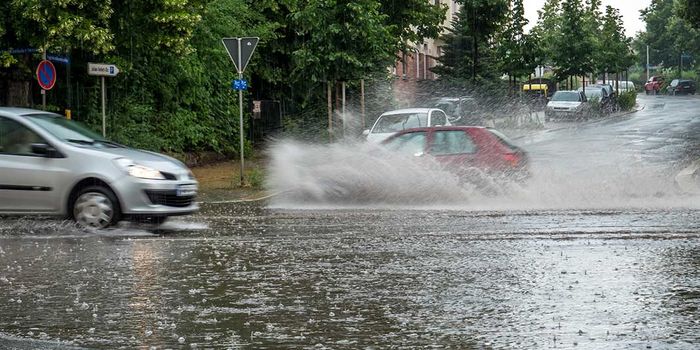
column 356, row 174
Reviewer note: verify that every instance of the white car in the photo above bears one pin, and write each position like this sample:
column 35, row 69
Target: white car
column 394, row 121
column 566, row 105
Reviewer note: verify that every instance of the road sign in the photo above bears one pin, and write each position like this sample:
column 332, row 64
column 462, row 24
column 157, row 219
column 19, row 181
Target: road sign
column 102, row 69
column 240, row 50
column 239, row 84
column 46, row 74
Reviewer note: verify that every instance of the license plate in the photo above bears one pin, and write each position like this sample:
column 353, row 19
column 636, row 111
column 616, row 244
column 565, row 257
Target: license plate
column 186, row 190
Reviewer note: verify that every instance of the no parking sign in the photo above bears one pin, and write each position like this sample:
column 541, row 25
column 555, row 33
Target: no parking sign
column 46, row 74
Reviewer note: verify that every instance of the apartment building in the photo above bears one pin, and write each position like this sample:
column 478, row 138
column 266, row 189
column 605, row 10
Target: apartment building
column 415, row 66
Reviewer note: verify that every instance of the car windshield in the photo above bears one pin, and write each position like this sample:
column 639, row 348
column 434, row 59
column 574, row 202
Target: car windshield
column 566, row 96
column 398, row 122
column 69, row 130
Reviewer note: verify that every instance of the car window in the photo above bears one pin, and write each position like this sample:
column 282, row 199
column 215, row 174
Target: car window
column 566, row 96
column 410, row 143
column 17, row 139
column 448, row 107
column 452, row 142
column 438, row 118
column 398, row 122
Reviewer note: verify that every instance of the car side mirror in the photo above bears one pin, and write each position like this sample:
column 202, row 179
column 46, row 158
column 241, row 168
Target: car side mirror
column 45, row 150
column 365, row 132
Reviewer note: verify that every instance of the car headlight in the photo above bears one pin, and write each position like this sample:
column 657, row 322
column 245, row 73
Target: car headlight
column 139, row 171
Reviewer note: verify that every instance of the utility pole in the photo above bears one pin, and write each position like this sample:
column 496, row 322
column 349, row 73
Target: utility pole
column 647, row 62
column 43, row 92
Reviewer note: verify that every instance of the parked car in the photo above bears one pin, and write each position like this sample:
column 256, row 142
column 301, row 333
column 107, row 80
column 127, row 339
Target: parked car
column 624, row 86
column 392, row 122
column 459, row 110
column 653, row 85
column 681, row 86
column 460, row 148
column 53, row 166
column 566, row 105
column 601, row 94
column 609, row 89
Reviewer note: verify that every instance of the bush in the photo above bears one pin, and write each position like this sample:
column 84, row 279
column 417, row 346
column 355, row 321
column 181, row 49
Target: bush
column 627, row 100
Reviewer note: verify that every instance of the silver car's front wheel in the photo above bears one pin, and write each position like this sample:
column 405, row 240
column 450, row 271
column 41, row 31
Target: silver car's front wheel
column 93, row 208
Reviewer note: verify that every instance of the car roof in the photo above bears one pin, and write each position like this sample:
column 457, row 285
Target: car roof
column 23, row 112
column 409, row 111
column 441, row 128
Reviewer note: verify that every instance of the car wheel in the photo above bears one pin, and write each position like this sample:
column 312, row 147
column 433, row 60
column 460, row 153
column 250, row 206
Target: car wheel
column 96, row 207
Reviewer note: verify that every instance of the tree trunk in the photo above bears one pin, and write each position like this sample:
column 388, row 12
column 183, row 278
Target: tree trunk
column 330, row 112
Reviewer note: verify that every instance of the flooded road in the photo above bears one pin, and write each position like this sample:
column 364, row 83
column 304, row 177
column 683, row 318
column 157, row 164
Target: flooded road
column 598, row 262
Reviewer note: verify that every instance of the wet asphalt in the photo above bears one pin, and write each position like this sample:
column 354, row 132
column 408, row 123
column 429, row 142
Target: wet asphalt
column 603, row 252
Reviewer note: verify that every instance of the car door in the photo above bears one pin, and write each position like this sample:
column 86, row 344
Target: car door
column 455, row 149
column 29, row 182
column 410, row 143
column 438, row 118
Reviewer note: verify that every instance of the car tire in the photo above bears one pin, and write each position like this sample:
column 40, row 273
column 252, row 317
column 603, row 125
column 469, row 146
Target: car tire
column 95, row 207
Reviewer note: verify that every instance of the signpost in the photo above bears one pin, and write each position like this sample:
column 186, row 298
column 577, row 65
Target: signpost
column 240, row 50
column 46, row 76
column 103, row 70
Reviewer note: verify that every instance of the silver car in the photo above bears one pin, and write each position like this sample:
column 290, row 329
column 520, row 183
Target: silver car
column 52, row 166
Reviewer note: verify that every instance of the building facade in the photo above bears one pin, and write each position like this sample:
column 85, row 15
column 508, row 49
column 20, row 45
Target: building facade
column 415, row 66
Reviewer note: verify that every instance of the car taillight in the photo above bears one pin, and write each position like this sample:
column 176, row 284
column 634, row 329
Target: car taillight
column 512, row 159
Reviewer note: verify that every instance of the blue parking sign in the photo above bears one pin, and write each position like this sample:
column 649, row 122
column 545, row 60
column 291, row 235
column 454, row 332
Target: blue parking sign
column 239, row 84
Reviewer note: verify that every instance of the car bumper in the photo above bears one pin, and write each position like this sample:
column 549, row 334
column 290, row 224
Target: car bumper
column 562, row 114
column 156, row 197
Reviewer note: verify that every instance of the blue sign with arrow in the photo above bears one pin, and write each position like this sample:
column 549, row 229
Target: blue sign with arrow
column 239, row 84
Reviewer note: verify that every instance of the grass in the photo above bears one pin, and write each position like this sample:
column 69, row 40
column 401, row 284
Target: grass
column 221, row 181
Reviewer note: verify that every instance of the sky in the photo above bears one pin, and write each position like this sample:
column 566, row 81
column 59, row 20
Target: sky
column 628, row 8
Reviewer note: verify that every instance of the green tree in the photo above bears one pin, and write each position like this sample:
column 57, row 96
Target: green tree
column 473, row 32
column 573, row 48
column 667, row 35
column 690, row 11
column 410, row 21
column 547, row 29
column 514, row 48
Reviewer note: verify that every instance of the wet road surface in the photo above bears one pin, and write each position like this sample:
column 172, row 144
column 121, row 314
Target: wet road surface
column 601, row 262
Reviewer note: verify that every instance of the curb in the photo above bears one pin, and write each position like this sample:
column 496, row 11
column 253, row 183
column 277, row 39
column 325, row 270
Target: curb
column 589, row 122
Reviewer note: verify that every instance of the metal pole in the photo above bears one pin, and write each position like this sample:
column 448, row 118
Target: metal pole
column 240, row 107
column 647, row 62
column 43, row 92
column 362, row 101
column 344, row 121
column 104, row 114
column 330, row 113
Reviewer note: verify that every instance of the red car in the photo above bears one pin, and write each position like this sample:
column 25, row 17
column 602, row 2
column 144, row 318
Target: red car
column 653, row 85
column 463, row 147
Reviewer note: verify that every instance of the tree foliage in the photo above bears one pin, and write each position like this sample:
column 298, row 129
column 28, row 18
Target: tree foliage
column 173, row 92
column 470, row 48
column 668, row 35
